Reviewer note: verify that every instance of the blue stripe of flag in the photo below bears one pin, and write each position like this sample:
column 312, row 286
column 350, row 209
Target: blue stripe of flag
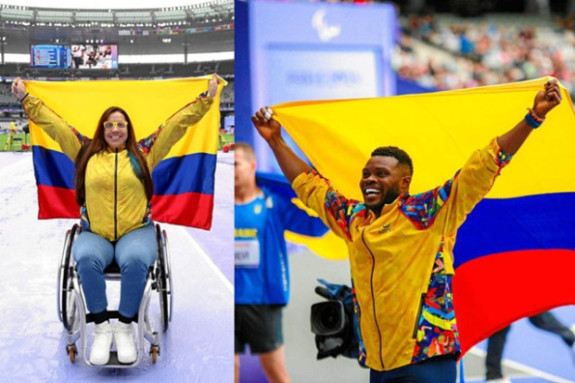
column 53, row 168
column 545, row 221
column 191, row 173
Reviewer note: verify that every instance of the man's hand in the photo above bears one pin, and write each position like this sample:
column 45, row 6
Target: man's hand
column 18, row 88
column 213, row 86
column 270, row 130
column 548, row 99
column 544, row 101
column 267, row 127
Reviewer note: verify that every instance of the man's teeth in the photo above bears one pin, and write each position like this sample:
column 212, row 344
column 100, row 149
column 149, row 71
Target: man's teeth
column 371, row 191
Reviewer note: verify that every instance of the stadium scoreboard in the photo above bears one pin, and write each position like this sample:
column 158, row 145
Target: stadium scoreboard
column 50, row 56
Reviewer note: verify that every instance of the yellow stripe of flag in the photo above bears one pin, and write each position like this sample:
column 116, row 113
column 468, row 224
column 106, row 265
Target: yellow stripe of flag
column 148, row 102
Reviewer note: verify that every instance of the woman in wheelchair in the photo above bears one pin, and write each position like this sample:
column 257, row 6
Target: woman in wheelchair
column 114, row 189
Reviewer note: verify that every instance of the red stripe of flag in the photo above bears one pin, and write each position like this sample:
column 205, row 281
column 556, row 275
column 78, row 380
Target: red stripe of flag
column 189, row 209
column 495, row 290
column 57, row 202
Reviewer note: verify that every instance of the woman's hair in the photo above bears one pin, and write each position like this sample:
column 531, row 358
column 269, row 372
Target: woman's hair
column 98, row 144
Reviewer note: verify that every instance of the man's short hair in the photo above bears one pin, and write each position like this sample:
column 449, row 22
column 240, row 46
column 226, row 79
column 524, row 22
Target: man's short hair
column 393, row 151
column 247, row 149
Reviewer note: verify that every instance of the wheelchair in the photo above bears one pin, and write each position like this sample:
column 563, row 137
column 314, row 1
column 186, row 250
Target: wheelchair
column 72, row 308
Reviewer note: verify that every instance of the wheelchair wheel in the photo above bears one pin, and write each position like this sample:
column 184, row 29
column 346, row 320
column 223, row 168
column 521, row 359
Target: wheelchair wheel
column 154, row 351
column 164, row 278
column 66, row 301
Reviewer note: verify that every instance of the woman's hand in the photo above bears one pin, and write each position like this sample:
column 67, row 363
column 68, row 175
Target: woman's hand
column 213, row 86
column 19, row 89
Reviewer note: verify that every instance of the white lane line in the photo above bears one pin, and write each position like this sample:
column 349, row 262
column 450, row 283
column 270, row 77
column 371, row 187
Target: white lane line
column 523, row 368
column 211, row 264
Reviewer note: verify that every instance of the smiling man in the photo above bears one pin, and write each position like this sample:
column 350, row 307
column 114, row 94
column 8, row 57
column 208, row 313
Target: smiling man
column 400, row 245
column 386, row 175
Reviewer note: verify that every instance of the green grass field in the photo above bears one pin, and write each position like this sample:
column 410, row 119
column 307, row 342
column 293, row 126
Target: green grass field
column 228, row 138
column 16, row 146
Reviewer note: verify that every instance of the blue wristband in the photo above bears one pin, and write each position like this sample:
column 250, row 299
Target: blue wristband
column 531, row 121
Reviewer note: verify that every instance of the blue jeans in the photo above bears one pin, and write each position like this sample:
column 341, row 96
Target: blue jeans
column 439, row 369
column 134, row 252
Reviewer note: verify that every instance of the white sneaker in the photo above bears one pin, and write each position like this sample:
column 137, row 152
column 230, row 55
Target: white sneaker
column 125, row 345
column 100, row 351
column 500, row 380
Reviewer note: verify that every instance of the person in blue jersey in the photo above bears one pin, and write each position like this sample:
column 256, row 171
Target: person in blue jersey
column 261, row 264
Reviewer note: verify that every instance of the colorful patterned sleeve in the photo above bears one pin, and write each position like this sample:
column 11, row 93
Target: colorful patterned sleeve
column 158, row 144
column 69, row 139
column 334, row 209
column 145, row 144
column 458, row 196
column 422, row 209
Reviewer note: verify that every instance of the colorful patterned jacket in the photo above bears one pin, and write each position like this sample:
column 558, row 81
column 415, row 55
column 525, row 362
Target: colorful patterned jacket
column 116, row 201
column 402, row 262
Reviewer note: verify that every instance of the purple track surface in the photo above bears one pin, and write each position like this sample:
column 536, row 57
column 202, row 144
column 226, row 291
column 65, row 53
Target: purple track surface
column 196, row 348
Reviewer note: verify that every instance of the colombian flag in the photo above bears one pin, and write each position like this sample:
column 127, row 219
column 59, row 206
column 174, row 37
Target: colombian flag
column 515, row 254
column 183, row 181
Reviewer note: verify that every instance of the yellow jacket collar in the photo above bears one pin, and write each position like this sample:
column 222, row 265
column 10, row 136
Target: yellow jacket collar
column 113, row 150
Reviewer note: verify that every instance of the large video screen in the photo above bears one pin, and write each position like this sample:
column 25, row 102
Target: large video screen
column 94, row 56
column 50, row 56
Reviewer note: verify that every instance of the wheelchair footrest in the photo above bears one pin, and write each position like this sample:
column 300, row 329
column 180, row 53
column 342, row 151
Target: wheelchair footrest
column 115, row 314
column 113, row 359
column 115, row 362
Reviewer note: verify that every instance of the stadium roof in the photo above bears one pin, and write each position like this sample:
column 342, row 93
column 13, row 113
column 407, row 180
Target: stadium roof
column 103, row 4
column 173, row 34
column 193, row 13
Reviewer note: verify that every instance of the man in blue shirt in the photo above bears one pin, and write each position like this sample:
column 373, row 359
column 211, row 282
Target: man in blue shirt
column 261, row 264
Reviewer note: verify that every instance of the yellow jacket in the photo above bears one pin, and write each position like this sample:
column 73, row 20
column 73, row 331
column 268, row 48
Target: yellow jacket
column 402, row 262
column 116, row 201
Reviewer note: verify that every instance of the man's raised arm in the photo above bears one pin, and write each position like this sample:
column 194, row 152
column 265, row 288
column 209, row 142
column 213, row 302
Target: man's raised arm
column 544, row 101
column 270, row 130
